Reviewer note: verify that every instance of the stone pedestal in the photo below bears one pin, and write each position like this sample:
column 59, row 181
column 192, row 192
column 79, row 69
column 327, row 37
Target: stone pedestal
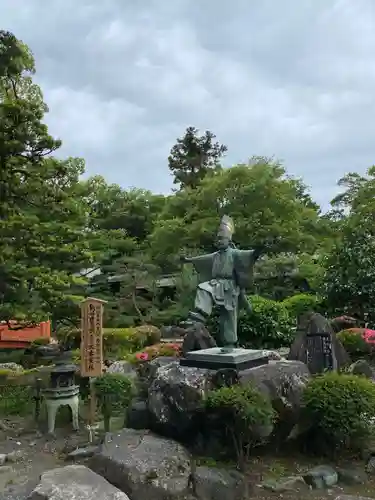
column 217, row 358
column 55, row 398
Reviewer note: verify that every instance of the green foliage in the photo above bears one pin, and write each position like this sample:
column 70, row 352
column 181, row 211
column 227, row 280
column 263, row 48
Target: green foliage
column 150, row 334
column 76, row 356
column 349, row 280
column 44, row 240
column 300, row 304
column 280, row 276
column 38, row 342
column 133, row 212
column 262, row 201
column 118, row 342
column 340, row 409
column 114, row 392
column 12, row 356
column 242, row 410
column 16, row 400
column 354, row 343
column 268, row 326
column 69, row 337
column 193, row 157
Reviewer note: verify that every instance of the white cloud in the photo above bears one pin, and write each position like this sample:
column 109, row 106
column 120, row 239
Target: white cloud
column 123, row 80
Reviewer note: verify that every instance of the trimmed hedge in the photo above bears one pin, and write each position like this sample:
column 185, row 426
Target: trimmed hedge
column 300, row 304
column 269, row 325
column 117, row 342
column 340, row 410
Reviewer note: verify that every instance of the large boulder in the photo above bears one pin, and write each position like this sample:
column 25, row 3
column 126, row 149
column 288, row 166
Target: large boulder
column 144, row 465
column 283, row 383
column 212, row 483
column 122, row 367
column 174, row 397
column 75, row 482
column 176, row 393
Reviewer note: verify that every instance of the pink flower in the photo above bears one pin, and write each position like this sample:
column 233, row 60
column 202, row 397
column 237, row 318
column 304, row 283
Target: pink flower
column 142, row 356
column 175, row 347
column 369, row 336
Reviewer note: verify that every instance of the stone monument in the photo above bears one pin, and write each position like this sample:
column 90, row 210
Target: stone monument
column 224, row 276
column 316, row 344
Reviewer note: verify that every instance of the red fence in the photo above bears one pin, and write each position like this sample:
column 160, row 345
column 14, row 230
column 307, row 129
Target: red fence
column 20, row 339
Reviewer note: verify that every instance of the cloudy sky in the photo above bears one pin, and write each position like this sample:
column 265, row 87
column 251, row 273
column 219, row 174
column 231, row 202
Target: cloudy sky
column 124, row 78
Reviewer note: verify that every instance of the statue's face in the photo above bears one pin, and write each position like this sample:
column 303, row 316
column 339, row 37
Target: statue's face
column 222, row 242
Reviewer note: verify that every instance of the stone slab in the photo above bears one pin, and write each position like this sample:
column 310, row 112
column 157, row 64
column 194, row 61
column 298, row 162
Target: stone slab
column 75, row 482
column 215, row 359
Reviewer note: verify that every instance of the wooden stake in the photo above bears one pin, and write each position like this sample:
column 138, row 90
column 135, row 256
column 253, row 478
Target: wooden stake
column 92, row 408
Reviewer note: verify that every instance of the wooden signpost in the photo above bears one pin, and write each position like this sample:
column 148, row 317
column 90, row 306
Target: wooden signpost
column 92, row 345
column 92, row 337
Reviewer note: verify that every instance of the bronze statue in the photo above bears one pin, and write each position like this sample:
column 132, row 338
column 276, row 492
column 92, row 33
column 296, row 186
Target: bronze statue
column 224, row 276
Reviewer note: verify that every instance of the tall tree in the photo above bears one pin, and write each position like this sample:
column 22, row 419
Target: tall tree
column 193, row 156
column 349, row 281
column 114, row 208
column 44, row 236
column 353, row 183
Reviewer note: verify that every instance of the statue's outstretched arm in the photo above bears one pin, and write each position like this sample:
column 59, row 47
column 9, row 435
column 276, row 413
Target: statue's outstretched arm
column 191, row 260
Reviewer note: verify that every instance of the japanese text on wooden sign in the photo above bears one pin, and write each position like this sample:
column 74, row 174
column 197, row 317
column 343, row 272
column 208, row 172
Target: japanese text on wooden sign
column 92, row 337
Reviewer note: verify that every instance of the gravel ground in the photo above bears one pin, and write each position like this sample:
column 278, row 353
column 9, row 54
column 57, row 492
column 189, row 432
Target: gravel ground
column 38, row 453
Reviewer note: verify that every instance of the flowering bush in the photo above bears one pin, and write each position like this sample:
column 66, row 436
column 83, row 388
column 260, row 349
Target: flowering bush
column 155, row 351
column 358, row 341
column 369, row 336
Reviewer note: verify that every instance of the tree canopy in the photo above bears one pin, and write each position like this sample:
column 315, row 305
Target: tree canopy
column 194, row 156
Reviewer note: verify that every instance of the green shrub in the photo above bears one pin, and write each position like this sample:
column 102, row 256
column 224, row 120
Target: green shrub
column 300, row 304
column 149, row 333
column 39, row 341
column 69, row 337
column 339, row 409
column 16, row 400
column 269, row 325
column 114, row 392
column 243, row 410
column 354, row 343
column 117, row 342
column 12, row 356
column 76, row 356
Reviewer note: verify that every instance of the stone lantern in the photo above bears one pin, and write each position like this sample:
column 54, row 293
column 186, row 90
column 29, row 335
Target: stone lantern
column 62, row 391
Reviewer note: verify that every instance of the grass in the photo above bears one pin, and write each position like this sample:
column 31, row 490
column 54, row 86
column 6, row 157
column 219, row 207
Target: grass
column 16, row 400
